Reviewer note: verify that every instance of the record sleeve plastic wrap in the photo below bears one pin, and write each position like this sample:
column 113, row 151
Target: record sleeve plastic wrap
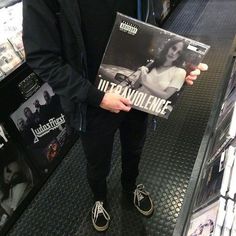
column 148, row 65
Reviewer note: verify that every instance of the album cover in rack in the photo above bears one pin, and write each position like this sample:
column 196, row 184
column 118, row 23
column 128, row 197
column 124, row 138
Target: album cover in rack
column 17, row 44
column 215, row 181
column 232, row 81
column 229, row 218
column 209, row 220
column 2, row 75
column 42, row 126
column 233, row 230
column 147, row 64
column 232, row 184
column 17, row 177
column 225, row 133
column 226, row 107
column 9, row 59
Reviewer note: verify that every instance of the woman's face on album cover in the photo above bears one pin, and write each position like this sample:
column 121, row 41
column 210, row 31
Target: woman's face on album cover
column 9, row 172
column 174, row 52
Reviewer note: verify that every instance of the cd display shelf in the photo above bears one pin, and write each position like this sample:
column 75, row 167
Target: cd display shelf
column 10, row 99
column 191, row 196
column 20, row 89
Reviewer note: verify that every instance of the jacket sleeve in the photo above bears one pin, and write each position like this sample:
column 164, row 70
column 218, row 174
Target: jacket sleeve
column 43, row 49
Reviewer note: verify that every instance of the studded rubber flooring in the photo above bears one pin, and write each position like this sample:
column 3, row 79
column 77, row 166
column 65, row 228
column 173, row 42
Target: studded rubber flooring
column 63, row 205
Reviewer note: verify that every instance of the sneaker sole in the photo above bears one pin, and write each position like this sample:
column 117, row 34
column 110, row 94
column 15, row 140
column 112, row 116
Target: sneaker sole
column 146, row 213
column 102, row 228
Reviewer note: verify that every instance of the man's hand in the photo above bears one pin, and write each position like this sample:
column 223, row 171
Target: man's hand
column 115, row 103
column 195, row 73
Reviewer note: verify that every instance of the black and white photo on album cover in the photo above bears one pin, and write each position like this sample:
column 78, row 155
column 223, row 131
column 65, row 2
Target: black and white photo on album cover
column 42, row 126
column 209, row 220
column 16, row 177
column 147, row 64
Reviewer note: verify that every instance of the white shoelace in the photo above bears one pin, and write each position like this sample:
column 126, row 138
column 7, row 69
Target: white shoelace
column 99, row 209
column 139, row 193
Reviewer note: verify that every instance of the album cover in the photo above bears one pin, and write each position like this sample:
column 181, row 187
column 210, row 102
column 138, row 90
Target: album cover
column 232, row 186
column 147, row 64
column 224, row 133
column 9, row 60
column 41, row 123
column 211, row 181
column 2, row 75
column 17, row 44
column 216, row 177
column 232, row 81
column 17, row 178
column 226, row 107
column 209, row 220
column 233, row 230
column 229, row 218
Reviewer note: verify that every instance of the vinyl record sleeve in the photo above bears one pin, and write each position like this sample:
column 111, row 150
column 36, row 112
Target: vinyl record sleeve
column 232, row 184
column 42, row 126
column 226, row 107
column 9, row 59
column 17, row 178
column 209, row 220
column 211, row 182
column 229, row 218
column 17, row 44
column 216, row 178
column 233, row 230
column 147, row 64
column 224, row 133
column 232, row 81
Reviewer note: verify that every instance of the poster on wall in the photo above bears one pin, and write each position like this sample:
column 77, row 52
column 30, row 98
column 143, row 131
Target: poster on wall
column 42, row 126
column 17, row 178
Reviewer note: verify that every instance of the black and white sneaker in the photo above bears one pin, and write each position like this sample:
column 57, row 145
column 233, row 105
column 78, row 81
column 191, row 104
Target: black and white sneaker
column 142, row 201
column 100, row 217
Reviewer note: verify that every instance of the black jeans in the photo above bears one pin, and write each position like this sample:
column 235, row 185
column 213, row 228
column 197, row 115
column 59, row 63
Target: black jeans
column 98, row 140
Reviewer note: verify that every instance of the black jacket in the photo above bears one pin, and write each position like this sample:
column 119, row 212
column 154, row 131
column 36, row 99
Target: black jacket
column 55, row 51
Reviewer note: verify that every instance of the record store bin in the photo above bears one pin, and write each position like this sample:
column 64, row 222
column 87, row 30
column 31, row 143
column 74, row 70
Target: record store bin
column 209, row 207
column 33, row 134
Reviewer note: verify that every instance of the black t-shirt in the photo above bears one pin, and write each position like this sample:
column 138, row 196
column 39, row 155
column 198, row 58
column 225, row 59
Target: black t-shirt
column 97, row 17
